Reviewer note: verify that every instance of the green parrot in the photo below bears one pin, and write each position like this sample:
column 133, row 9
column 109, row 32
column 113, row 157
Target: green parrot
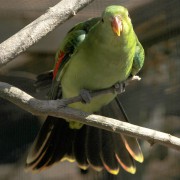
column 94, row 55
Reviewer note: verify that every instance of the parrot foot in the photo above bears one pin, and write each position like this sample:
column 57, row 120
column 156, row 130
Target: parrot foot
column 85, row 96
column 120, row 87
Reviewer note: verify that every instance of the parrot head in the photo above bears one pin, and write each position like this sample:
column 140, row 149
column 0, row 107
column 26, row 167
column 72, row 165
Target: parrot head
column 117, row 17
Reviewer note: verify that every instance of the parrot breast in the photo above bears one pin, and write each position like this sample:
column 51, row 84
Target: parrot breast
column 99, row 63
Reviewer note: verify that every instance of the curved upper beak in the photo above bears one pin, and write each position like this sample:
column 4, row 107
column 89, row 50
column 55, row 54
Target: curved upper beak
column 117, row 25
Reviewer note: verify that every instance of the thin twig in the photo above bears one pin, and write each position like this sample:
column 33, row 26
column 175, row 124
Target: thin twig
column 33, row 32
column 52, row 108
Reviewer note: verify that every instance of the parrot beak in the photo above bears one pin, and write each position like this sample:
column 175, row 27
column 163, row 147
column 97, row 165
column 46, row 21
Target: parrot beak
column 117, row 25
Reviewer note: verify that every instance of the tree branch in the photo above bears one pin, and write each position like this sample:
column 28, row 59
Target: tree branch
column 56, row 108
column 33, row 32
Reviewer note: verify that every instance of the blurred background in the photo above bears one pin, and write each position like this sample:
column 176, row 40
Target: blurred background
column 154, row 102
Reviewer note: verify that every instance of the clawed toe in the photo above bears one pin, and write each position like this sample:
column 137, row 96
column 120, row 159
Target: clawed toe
column 85, row 96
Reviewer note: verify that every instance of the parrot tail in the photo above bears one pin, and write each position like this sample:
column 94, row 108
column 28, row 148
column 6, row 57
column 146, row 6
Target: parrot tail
column 88, row 146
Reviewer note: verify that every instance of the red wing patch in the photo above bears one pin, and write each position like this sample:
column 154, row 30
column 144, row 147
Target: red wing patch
column 58, row 63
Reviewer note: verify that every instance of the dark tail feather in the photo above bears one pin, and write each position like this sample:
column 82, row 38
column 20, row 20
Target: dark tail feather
column 79, row 148
column 107, row 153
column 93, row 147
column 132, row 144
column 47, row 154
column 63, row 143
column 52, row 144
column 41, row 144
column 133, row 148
column 123, row 156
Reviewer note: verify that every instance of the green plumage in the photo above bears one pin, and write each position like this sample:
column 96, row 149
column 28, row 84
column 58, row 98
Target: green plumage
column 94, row 55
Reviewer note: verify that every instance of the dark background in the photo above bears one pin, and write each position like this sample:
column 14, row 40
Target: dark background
column 154, row 102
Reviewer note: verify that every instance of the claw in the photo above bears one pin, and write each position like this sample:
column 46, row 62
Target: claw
column 120, row 87
column 85, row 96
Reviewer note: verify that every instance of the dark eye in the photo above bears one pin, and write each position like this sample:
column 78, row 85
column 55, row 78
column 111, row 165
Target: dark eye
column 102, row 20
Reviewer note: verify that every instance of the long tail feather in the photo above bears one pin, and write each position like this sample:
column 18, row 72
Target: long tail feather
column 132, row 144
column 116, row 110
column 47, row 154
column 63, row 142
column 79, row 148
column 107, row 153
column 123, row 156
column 133, row 148
column 40, row 145
column 93, row 147
column 51, row 145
